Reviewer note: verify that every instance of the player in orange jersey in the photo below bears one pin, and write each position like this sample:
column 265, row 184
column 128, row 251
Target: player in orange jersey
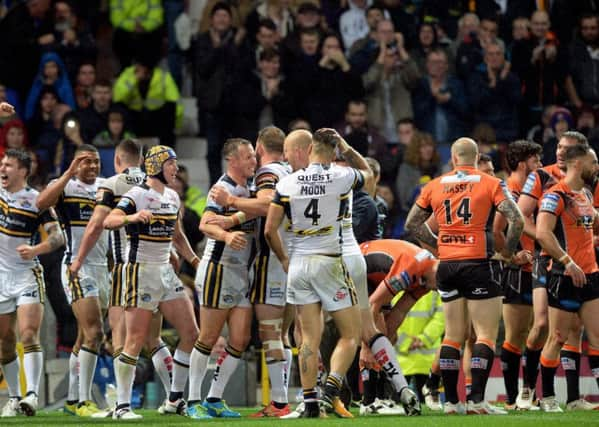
column 565, row 226
column 464, row 202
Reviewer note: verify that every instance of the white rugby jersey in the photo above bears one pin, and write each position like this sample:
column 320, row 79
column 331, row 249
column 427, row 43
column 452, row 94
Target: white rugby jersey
column 74, row 209
column 219, row 252
column 315, row 200
column 150, row 242
column 350, row 244
column 109, row 194
column 20, row 220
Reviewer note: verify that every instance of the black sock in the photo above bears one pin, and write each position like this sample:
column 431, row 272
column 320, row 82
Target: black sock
column 213, row 399
column 449, row 361
column 71, row 402
column 333, row 385
column 571, row 363
column 531, row 368
column 548, row 377
column 353, row 377
column 510, row 364
column 311, row 402
column 433, row 380
column 594, row 365
column 173, row 396
column 482, row 362
column 381, row 389
column 279, row 405
column 370, row 378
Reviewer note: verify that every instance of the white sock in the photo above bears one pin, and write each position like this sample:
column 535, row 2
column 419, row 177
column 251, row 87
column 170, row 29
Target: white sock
column 33, row 361
column 197, row 370
column 73, row 394
column 276, row 373
column 288, row 364
column 11, row 374
column 163, row 365
column 124, row 371
column 386, row 356
column 87, row 366
column 180, row 371
column 225, row 366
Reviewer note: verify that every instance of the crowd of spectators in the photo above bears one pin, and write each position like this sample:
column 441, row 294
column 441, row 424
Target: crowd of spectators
column 399, row 79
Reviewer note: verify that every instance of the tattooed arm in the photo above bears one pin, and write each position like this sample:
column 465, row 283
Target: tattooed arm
column 416, row 225
column 54, row 241
column 511, row 212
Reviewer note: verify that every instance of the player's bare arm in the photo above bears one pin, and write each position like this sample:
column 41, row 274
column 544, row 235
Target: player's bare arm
column 271, row 233
column 356, row 161
column 252, row 207
column 92, row 233
column 527, row 206
column 118, row 218
column 54, row 241
column 183, row 247
column 509, row 209
column 416, row 224
column 546, row 238
column 235, row 239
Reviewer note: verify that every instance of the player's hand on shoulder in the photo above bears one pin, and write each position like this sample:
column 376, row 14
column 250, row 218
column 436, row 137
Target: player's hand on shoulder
column 220, row 195
column 224, row 222
column 236, row 240
column 26, row 252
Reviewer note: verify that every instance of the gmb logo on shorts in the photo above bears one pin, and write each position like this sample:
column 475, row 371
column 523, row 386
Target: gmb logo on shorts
column 340, row 295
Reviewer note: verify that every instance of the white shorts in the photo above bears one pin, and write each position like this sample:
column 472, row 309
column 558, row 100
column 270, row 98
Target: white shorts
column 150, row 284
column 269, row 282
column 356, row 267
column 320, row 278
column 222, row 286
column 21, row 287
column 91, row 281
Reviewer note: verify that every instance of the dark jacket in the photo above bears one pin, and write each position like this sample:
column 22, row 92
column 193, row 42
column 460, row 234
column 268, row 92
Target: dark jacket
column 365, row 217
column 497, row 106
column 455, row 110
column 584, row 71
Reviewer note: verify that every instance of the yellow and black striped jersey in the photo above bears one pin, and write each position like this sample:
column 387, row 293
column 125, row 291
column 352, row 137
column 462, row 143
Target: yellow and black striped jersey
column 20, row 220
column 151, row 242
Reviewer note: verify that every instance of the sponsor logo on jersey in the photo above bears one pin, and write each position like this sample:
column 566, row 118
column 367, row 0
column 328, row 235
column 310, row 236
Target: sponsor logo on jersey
column 550, row 202
column 458, row 239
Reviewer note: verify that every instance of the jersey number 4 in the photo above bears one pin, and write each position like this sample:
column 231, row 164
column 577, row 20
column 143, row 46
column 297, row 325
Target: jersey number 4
column 462, row 212
column 312, row 211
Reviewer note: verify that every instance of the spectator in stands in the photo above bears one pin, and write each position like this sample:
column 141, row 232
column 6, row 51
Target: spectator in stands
column 583, row 64
column 309, row 18
column 175, row 55
column 25, row 31
column 107, row 140
column 471, row 48
column 38, row 177
column 73, row 40
column 355, row 129
column 10, row 96
column 267, row 37
column 94, row 118
column 152, row 100
column 520, row 28
column 219, row 57
column 541, row 131
column 586, row 123
column 537, row 62
column 440, row 105
column 239, row 12
column 388, row 82
column 394, row 155
column 420, row 160
column 299, row 123
column 276, row 10
column 137, row 29
column 364, row 52
column 494, row 93
column 195, row 198
column 403, row 18
column 42, row 132
column 561, row 121
column 265, row 97
column 52, row 72
column 393, row 221
column 70, row 139
column 13, row 135
column 427, row 41
column 352, row 23
column 323, row 95
column 84, row 85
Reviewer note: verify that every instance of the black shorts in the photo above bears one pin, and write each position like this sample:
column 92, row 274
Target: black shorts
column 563, row 295
column 517, row 286
column 540, row 271
column 477, row 279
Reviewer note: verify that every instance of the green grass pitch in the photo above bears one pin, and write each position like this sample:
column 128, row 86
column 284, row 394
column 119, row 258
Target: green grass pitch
column 428, row 419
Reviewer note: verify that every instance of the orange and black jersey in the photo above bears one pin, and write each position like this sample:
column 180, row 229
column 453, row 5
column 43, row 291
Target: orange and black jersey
column 398, row 264
column 541, row 180
column 463, row 202
column 574, row 227
column 526, row 242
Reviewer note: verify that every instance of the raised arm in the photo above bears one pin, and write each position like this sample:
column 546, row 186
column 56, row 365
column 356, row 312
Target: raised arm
column 53, row 191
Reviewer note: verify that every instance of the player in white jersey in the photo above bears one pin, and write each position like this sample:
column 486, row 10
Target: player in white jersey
column 127, row 162
column 222, row 282
column 314, row 199
column 150, row 213
column 21, row 279
column 74, row 197
column 268, row 289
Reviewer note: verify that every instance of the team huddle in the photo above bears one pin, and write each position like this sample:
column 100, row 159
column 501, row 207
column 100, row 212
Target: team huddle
column 281, row 246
